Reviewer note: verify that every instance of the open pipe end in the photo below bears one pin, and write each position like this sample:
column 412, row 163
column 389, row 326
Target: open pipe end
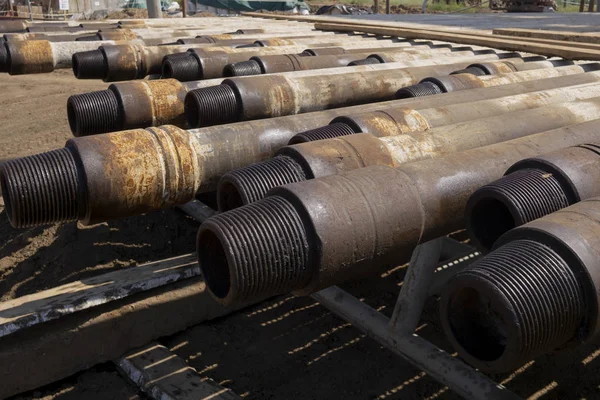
column 252, row 183
column 212, row 105
column 93, row 113
column 89, row 65
column 330, row 131
column 514, row 200
column 242, row 68
column 419, row 90
column 41, row 189
column 184, row 67
column 254, row 252
column 515, row 304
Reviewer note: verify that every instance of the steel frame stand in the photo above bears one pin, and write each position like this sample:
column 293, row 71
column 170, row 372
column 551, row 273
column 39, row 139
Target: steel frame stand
column 398, row 333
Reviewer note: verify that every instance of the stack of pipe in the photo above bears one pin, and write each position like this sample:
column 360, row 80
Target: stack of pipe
column 332, row 158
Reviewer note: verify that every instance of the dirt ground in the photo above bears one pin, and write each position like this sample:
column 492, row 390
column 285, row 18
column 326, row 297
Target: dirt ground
column 286, row 348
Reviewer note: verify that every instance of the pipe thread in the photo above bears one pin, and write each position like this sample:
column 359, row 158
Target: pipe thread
column 41, row 189
column 213, row 105
column 419, row 90
column 93, row 113
column 330, row 131
column 520, row 197
column 252, row 183
column 471, row 70
column 364, row 61
column 254, row 252
column 89, row 65
column 534, row 286
column 184, row 68
column 242, row 68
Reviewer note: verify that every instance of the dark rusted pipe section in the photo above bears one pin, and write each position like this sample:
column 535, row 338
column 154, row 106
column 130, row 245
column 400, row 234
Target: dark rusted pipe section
column 415, row 138
column 130, row 105
column 309, row 235
column 531, row 189
column 536, row 292
column 266, row 96
column 470, row 80
column 258, row 65
column 197, row 65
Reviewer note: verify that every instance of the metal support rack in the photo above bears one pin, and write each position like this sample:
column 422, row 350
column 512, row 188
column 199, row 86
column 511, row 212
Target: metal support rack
column 398, row 332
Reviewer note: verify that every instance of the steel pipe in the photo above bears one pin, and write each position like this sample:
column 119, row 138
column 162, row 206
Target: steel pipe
column 310, row 235
column 537, row 291
column 531, row 189
column 266, row 96
column 416, row 135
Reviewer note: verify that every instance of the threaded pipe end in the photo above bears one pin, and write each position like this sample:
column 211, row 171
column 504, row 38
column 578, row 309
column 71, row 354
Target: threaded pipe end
column 88, row 38
column 325, row 132
column 93, row 113
column 213, row 105
column 419, row 90
column 252, row 183
column 89, row 65
column 255, row 44
column 364, row 61
column 514, row 200
column 242, row 68
column 470, row 70
column 254, row 252
column 41, row 189
column 4, row 61
column 183, row 67
column 517, row 303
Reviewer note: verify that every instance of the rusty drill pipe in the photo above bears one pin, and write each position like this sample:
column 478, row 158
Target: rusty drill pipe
column 123, row 162
column 416, row 137
column 39, row 56
column 259, row 65
column 238, row 98
column 197, row 65
column 136, row 61
column 531, row 189
column 309, row 235
column 537, row 291
column 452, row 83
column 130, row 105
column 398, row 120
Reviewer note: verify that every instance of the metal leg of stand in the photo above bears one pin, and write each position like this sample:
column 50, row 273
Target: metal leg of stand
column 440, row 365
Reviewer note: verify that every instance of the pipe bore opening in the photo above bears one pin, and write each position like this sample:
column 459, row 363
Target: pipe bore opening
column 229, row 196
column 213, row 263
column 489, row 219
column 6, row 196
column 167, row 70
column 476, row 326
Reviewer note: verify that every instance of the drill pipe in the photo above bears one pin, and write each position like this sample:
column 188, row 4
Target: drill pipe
column 130, row 61
column 417, row 135
column 310, row 235
column 39, row 56
column 259, row 65
column 195, row 65
column 537, row 291
column 397, row 120
column 452, row 83
column 531, row 189
column 139, row 104
column 122, row 162
column 265, row 96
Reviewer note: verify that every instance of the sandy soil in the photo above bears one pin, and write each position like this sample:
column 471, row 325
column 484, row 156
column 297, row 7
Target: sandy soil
column 286, row 348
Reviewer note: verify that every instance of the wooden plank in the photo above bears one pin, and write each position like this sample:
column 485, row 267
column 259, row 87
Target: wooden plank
column 548, row 34
column 567, row 52
column 163, row 375
column 47, row 305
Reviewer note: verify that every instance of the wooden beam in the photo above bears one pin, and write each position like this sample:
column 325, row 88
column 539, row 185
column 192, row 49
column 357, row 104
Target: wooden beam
column 163, row 375
column 568, row 52
column 554, row 35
